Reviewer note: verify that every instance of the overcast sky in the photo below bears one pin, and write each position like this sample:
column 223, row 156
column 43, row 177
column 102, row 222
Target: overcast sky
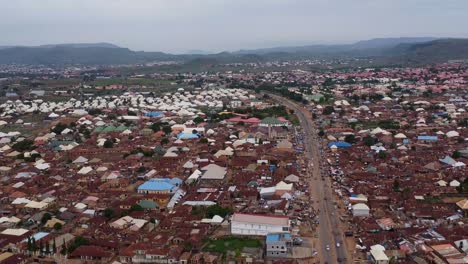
column 216, row 25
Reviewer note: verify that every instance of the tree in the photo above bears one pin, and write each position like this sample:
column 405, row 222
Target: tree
column 47, row 247
column 57, row 226
column 24, row 145
column 204, row 140
column 30, row 246
column 136, row 208
column 34, row 245
column 54, row 247
column 108, row 144
column 59, row 128
column 79, row 241
column 382, row 154
column 369, row 141
column 167, row 130
column 156, row 127
column 328, row 110
column 164, row 141
column 456, row 154
column 108, row 213
column 41, row 247
column 198, row 120
column 217, row 210
column 350, row 139
column 64, row 248
column 321, row 133
column 46, row 217
column 396, row 185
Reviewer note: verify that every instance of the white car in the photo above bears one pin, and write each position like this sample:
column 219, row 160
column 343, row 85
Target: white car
column 327, row 247
column 337, row 244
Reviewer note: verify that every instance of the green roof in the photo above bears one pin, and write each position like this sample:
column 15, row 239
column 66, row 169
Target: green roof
column 109, row 129
column 272, row 121
column 121, row 128
column 98, row 129
column 148, row 204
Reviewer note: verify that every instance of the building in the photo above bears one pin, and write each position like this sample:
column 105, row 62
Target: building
column 278, row 245
column 378, row 256
column 258, row 225
column 360, row 209
column 159, row 185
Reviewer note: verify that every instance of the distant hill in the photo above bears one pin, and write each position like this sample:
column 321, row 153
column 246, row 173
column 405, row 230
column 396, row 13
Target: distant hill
column 433, row 51
column 394, row 50
column 388, row 42
column 81, row 45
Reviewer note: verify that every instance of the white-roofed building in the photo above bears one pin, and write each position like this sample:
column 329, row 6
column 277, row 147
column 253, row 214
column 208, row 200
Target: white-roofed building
column 258, row 225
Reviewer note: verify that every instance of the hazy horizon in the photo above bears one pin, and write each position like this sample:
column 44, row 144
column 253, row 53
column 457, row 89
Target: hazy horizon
column 220, row 25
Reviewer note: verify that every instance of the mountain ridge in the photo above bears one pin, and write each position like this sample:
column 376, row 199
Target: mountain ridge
column 424, row 49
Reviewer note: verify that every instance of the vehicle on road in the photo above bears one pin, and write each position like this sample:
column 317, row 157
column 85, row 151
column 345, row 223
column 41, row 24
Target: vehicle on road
column 327, row 247
column 338, row 244
column 297, row 241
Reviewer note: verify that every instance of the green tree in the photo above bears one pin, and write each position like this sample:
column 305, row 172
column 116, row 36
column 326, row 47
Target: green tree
column 156, row 127
column 108, row 213
column 57, row 226
column 198, row 120
column 136, row 208
column 328, row 110
column 46, row 217
column 54, row 247
column 217, row 210
column 321, row 133
column 350, row 139
column 64, row 249
column 108, row 144
column 204, row 140
column 167, row 130
column 369, row 141
column 30, row 246
column 59, row 128
column 396, row 185
column 24, row 145
column 456, row 154
column 164, row 141
column 47, row 248
column 382, row 154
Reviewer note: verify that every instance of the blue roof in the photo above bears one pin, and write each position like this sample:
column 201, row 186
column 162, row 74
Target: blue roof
column 428, row 138
column 339, row 144
column 158, row 184
column 38, row 236
column 278, row 237
column 154, row 114
column 187, row 136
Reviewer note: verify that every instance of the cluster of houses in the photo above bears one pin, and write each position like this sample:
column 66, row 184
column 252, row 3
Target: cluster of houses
column 134, row 179
column 398, row 167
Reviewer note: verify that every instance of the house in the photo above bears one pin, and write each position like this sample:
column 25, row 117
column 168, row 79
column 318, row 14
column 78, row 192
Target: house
column 90, row 253
column 213, row 172
column 159, row 185
column 378, row 256
column 258, row 225
column 278, row 245
column 360, row 209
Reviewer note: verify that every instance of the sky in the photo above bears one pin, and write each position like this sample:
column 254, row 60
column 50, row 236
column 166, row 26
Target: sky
column 179, row 26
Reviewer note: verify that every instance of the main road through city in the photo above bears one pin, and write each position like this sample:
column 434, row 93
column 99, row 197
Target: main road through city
column 329, row 233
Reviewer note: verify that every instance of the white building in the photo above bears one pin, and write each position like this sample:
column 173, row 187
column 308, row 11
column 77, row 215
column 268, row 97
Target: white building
column 258, row 225
column 361, row 209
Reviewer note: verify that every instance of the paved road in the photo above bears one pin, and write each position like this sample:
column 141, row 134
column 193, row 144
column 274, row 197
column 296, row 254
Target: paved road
column 328, row 231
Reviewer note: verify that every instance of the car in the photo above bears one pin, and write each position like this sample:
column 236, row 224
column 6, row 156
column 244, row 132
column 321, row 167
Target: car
column 297, row 241
column 327, row 247
column 337, row 244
